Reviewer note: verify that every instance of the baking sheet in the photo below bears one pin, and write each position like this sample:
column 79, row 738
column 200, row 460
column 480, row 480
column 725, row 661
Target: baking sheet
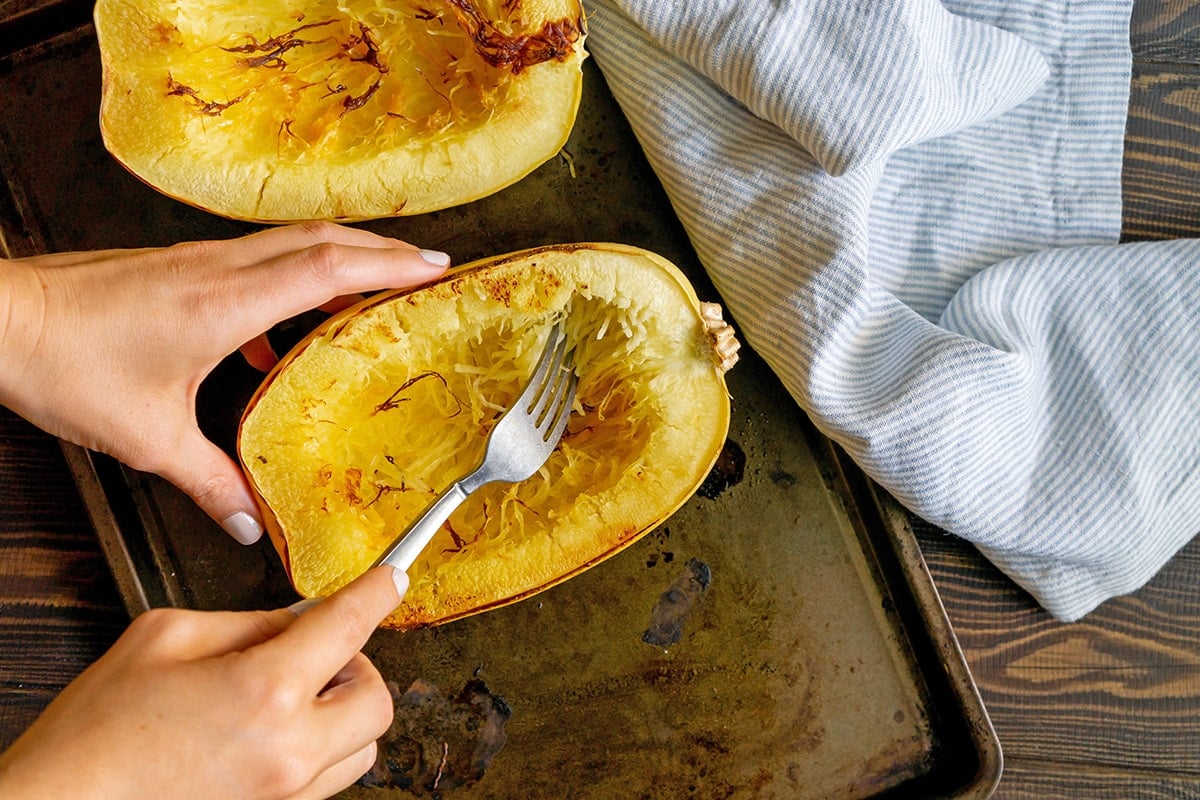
column 779, row 636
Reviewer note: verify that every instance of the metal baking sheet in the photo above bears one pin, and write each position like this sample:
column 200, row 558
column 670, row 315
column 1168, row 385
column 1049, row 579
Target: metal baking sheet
column 779, row 636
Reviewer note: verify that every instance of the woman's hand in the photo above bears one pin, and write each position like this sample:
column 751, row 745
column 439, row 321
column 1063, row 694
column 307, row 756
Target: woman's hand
column 254, row 705
column 108, row 349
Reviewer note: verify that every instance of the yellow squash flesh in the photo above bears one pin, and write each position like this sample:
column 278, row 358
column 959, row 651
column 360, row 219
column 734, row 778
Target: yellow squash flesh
column 279, row 111
column 386, row 404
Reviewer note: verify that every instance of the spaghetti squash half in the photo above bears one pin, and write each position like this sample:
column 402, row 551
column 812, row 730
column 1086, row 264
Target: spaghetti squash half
column 280, row 111
column 386, row 404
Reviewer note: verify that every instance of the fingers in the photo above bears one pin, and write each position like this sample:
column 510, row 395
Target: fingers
column 354, row 710
column 210, row 688
column 182, row 634
column 259, row 353
column 340, row 775
column 254, row 248
column 326, row 638
column 278, row 241
column 286, row 285
column 356, row 701
column 217, row 484
column 341, row 303
column 354, row 706
column 246, row 629
column 253, row 298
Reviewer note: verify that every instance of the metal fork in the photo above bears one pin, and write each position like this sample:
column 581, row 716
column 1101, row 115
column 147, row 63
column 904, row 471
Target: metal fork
column 517, row 447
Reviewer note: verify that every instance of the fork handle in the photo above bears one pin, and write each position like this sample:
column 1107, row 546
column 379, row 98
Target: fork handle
column 416, row 537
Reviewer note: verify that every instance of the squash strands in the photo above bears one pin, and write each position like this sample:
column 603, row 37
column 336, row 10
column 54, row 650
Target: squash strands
column 279, row 111
column 386, row 404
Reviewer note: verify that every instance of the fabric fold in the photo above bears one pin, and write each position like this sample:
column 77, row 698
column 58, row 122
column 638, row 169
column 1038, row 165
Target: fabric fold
column 943, row 294
column 811, row 67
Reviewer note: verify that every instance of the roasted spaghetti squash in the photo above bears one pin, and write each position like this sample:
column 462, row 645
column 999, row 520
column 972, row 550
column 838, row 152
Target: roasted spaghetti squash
column 386, row 404
column 279, row 111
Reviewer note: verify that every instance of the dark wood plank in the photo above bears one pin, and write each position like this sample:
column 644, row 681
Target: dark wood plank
column 1051, row 781
column 1119, row 689
column 59, row 609
column 1162, row 153
column 1162, row 139
column 1166, row 31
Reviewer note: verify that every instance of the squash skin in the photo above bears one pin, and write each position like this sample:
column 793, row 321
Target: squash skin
column 344, row 135
column 681, row 433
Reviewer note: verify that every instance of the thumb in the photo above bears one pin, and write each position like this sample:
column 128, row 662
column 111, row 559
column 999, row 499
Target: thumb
column 217, row 484
column 330, row 632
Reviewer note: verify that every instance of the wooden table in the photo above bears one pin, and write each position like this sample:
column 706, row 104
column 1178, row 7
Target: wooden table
column 1105, row 709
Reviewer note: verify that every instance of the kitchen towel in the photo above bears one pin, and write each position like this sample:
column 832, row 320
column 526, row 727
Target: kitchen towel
column 911, row 209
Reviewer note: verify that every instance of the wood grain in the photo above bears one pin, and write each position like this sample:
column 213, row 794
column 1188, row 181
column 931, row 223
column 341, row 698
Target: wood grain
column 1162, row 142
column 1048, row 780
column 1162, row 161
column 59, row 610
column 1120, row 689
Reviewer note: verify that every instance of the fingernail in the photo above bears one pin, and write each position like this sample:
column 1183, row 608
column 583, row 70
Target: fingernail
column 301, row 606
column 435, row 257
column 400, row 578
column 243, row 527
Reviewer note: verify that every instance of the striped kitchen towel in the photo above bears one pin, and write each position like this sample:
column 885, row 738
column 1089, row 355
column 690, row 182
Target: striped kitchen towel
column 911, row 210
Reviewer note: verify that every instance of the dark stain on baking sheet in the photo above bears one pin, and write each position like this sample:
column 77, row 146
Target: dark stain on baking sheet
column 728, row 471
column 437, row 744
column 677, row 603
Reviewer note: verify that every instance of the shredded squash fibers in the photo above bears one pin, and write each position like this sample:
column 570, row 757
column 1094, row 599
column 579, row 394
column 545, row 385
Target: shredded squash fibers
column 336, row 108
column 387, row 404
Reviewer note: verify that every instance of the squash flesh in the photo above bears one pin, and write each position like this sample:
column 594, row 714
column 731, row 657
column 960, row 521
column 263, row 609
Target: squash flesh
column 356, row 432
column 279, row 111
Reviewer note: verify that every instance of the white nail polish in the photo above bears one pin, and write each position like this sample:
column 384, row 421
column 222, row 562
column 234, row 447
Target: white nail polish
column 435, row 257
column 400, row 578
column 300, row 606
column 243, row 527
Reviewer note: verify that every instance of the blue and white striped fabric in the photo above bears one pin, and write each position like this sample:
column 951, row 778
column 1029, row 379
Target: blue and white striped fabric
column 911, row 210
